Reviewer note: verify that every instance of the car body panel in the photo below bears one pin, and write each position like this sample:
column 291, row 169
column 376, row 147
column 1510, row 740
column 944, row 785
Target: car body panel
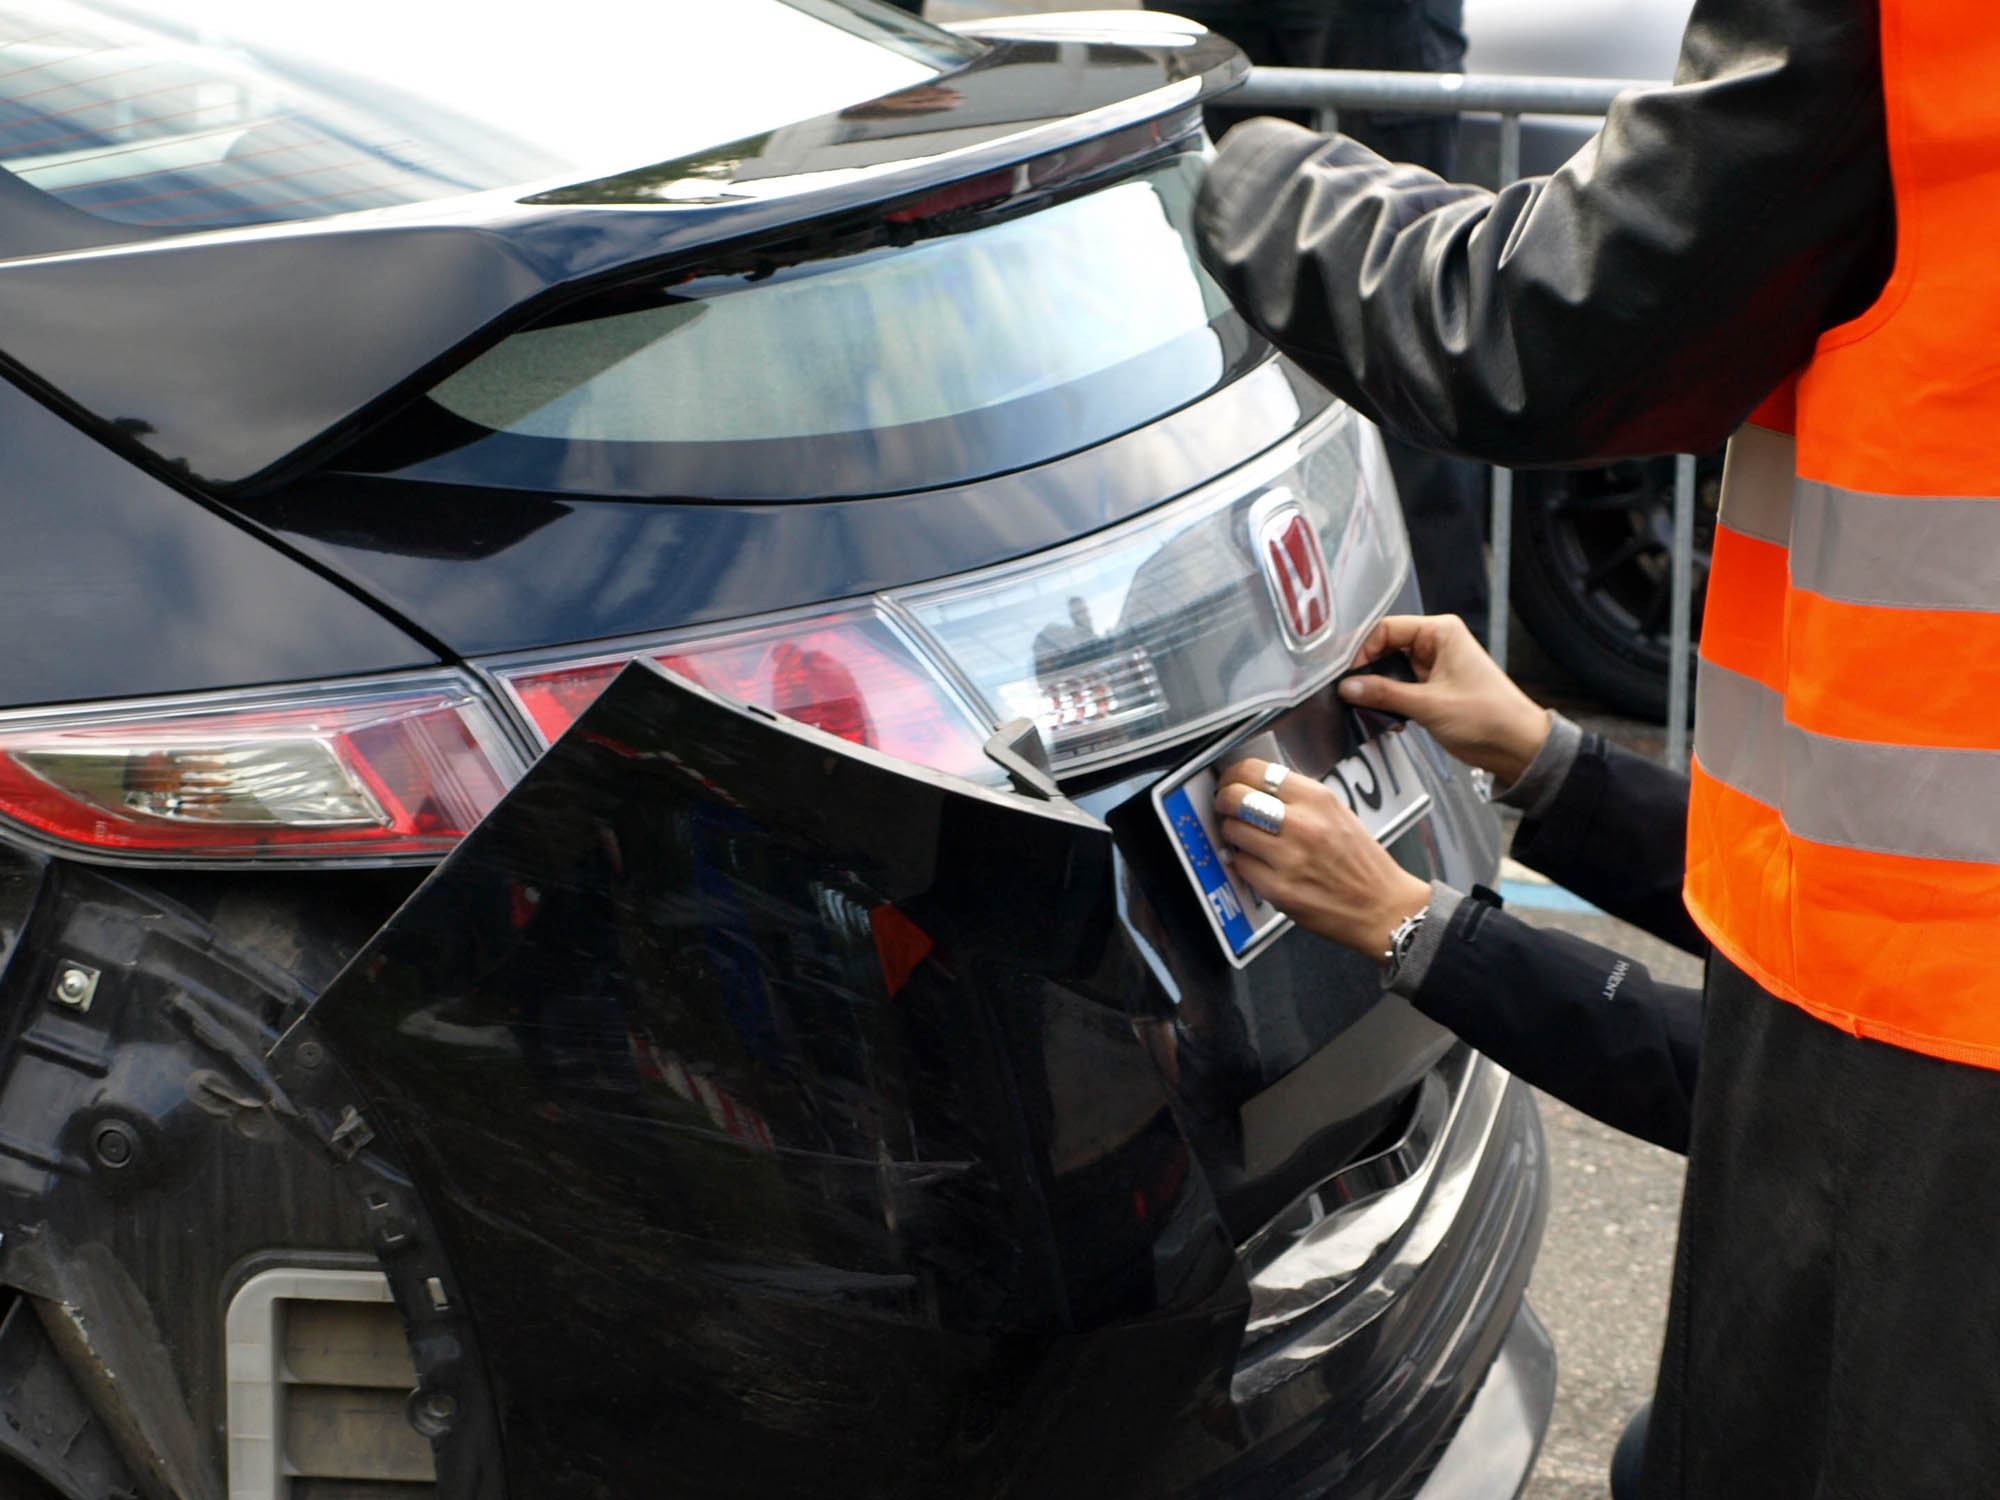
column 216, row 388
column 739, row 1033
column 495, row 570
column 738, row 1111
column 726, row 1028
column 114, row 584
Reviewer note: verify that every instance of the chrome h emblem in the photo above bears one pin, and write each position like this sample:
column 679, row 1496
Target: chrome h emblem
column 1295, row 567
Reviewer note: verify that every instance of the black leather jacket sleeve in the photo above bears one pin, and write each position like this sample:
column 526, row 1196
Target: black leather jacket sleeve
column 1641, row 300
column 1590, row 1026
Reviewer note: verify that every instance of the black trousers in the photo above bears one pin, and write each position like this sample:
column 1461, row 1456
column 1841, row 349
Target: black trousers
column 1834, row 1332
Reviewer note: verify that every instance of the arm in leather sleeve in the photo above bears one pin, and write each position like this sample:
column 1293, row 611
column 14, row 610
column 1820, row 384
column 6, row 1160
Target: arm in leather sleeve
column 1616, row 834
column 1573, row 1019
column 1642, row 300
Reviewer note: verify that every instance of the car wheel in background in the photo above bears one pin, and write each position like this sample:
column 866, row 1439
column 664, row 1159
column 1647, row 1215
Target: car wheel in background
column 1593, row 564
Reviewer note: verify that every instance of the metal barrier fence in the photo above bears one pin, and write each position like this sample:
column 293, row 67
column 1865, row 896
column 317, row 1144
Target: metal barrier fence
column 1327, row 91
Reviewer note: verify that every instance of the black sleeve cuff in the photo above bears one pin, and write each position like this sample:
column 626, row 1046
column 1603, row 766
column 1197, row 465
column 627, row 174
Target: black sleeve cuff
column 1615, row 832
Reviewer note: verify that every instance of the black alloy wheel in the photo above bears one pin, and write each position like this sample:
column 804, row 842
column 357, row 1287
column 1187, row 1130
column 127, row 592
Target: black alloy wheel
column 1593, row 572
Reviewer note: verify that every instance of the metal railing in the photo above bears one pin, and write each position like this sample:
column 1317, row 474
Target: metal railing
column 1327, row 91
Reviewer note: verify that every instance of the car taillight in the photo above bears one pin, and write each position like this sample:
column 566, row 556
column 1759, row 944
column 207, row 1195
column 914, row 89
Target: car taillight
column 850, row 673
column 395, row 767
column 1157, row 631
column 1140, row 636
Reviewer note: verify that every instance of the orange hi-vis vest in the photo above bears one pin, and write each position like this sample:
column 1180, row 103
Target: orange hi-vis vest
column 1844, row 830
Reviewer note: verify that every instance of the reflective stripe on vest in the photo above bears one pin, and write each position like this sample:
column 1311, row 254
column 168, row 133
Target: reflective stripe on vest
column 1844, row 830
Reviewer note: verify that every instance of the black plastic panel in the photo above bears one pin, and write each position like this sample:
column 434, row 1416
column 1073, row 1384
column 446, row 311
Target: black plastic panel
column 785, row 1127
column 142, row 1165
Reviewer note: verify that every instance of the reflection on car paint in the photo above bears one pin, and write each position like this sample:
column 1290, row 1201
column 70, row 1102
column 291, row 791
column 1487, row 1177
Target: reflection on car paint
column 806, row 1079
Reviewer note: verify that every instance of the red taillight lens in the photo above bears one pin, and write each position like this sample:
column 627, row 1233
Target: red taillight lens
column 394, row 768
column 808, row 680
column 556, row 697
column 850, row 674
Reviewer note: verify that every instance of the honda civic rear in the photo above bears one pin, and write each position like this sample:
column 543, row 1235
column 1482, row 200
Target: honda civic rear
column 639, row 798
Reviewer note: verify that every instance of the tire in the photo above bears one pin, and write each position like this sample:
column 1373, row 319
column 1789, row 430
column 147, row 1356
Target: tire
column 1592, row 571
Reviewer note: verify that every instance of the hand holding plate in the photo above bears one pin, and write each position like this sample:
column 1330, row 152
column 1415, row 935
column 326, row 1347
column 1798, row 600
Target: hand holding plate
column 1463, row 698
column 1322, row 868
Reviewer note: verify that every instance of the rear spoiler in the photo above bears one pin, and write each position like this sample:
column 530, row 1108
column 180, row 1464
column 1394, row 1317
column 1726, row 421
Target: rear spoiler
column 231, row 356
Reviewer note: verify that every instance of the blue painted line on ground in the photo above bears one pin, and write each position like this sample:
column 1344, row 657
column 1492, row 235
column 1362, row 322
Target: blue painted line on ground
column 1535, row 897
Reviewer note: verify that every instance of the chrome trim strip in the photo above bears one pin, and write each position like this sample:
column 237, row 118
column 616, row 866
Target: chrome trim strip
column 1350, row 1267
column 1304, row 1256
column 1493, row 1451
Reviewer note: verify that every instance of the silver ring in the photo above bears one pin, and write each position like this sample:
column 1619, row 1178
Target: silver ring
column 1274, row 776
column 1262, row 810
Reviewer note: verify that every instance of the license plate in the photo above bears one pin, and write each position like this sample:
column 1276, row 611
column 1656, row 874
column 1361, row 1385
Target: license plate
column 1379, row 782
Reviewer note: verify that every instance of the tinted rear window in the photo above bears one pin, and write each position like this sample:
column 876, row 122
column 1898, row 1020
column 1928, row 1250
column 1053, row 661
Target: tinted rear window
column 900, row 368
column 208, row 114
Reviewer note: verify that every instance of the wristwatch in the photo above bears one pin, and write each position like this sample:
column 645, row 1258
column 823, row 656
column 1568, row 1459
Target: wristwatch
column 1401, row 941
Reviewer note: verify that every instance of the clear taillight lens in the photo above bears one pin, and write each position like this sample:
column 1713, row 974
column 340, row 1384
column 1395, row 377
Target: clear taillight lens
column 1161, row 628
column 850, row 673
column 392, row 768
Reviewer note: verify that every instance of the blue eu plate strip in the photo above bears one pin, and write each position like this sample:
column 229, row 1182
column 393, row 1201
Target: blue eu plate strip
column 1215, row 886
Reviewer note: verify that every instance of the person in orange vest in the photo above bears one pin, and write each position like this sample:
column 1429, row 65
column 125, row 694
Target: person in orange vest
column 1795, row 234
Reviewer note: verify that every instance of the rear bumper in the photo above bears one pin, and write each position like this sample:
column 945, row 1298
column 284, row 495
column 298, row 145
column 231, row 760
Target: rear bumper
column 1494, row 1450
column 697, row 1172
column 1426, row 1376
column 784, row 1061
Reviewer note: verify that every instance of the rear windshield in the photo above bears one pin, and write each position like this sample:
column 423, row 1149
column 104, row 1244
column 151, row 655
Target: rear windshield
column 206, row 114
column 896, row 369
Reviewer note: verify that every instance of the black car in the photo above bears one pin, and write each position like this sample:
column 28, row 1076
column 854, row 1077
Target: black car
column 619, row 622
